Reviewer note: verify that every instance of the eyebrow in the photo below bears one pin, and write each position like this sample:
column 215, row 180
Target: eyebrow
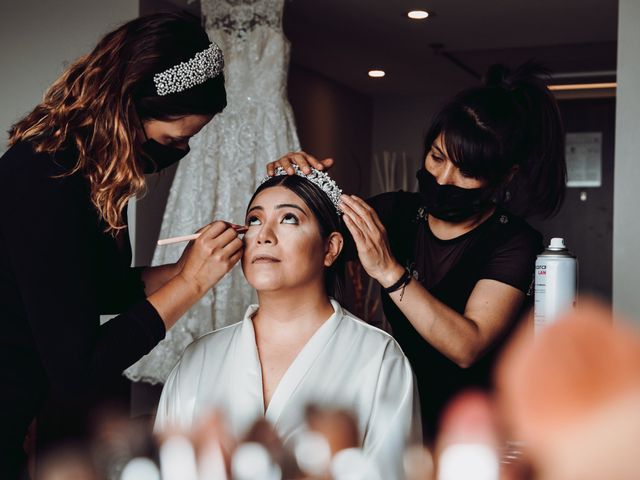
column 440, row 151
column 279, row 206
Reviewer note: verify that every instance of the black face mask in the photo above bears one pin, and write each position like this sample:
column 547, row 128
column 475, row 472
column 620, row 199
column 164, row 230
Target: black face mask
column 448, row 202
column 158, row 157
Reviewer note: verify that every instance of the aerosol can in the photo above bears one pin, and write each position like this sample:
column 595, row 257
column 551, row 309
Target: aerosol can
column 556, row 283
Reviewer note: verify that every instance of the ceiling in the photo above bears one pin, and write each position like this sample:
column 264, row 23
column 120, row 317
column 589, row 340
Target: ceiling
column 343, row 39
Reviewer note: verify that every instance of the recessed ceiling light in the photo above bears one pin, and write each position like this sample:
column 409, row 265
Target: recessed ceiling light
column 376, row 73
column 418, row 14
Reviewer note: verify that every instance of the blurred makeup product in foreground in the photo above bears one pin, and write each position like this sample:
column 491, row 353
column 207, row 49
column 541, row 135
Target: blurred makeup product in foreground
column 573, row 396
column 325, row 447
column 468, row 439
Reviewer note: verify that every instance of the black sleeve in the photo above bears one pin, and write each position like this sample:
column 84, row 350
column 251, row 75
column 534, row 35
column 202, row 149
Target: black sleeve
column 49, row 227
column 119, row 286
column 513, row 262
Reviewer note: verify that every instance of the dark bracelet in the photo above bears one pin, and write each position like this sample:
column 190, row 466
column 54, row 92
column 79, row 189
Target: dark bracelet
column 401, row 283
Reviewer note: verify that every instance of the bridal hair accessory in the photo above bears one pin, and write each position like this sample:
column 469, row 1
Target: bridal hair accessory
column 323, row 181
column 203, row 66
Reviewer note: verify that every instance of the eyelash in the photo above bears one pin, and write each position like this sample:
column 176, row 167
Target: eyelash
column 468, row 175
column 439, row 159
column 290, row 216
column 287, row 216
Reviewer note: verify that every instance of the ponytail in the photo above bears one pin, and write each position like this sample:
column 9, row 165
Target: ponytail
column 541, row 159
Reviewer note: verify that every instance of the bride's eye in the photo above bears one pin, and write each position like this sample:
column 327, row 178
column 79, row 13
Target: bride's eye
column 252, row 221
column 290, row 218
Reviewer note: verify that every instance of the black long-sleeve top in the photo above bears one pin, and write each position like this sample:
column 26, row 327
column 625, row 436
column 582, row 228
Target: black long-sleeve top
column 59, row 271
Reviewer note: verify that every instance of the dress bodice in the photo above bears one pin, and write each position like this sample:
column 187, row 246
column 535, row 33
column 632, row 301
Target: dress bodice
column 255, row 48
column 240, row 17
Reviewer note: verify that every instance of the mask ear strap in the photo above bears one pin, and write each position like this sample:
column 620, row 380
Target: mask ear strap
column 141, row 124
column 504, row 189
column 144, row 154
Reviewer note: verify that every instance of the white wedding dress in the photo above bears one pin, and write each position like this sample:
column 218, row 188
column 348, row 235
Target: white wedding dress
column 228, row 158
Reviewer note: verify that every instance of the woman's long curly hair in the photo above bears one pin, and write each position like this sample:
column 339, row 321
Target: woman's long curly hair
column 99, row 103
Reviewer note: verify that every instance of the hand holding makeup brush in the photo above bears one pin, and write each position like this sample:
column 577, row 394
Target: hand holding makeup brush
column 211, row 255
column 207, row 258
column 239, row 229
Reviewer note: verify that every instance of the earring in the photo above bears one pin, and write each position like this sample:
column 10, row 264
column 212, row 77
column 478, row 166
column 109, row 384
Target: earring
column 507, row 195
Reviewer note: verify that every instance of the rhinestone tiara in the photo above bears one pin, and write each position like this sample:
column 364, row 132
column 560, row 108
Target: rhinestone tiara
column 203, row 66
column 321, row 179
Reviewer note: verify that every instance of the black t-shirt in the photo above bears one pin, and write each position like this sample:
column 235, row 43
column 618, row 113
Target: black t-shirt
column 503, row 248
column 59, row 272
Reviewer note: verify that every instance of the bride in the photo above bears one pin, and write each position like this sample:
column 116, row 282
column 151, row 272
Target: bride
column 298, row 346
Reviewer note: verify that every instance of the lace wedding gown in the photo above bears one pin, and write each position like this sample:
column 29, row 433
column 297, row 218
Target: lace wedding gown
column 227, row 159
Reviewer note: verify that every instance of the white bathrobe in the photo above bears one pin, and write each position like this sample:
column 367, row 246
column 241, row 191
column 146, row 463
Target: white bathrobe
column 346, row 363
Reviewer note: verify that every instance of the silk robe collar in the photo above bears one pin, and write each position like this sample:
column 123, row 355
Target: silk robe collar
column 248, row 388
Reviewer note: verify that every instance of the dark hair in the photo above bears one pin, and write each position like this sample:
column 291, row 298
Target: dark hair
column 511, row 120
column 97, row 103
column 326, row 215
column 167, row 40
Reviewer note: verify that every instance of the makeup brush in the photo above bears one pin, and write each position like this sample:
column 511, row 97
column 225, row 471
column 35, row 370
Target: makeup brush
column 187, row 238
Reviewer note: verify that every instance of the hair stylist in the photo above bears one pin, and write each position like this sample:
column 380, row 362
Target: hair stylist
column 456, row 260
column 127, row 108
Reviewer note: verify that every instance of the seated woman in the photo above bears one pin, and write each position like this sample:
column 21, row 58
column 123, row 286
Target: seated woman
column 298, row 345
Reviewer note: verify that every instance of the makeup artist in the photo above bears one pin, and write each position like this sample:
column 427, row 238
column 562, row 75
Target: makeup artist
column 127, row 108
column 455, row 261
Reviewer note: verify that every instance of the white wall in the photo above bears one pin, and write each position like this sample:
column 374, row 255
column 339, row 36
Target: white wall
column 626, row 219
column 38, row 38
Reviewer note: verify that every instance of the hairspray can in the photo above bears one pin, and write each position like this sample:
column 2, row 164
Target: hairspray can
column 556, row 281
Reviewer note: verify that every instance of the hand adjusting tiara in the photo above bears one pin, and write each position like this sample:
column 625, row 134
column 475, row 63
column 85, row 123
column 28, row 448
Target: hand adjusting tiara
column 321, row 179
column 203, row 66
